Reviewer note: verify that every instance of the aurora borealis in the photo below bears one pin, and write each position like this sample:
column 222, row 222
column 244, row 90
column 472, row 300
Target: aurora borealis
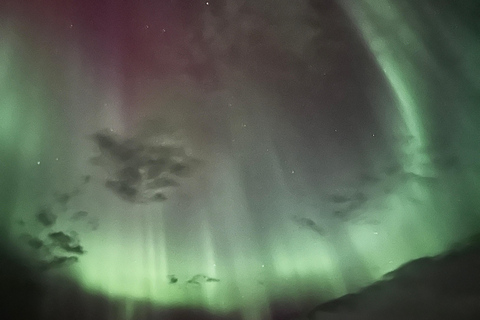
column 332, row 142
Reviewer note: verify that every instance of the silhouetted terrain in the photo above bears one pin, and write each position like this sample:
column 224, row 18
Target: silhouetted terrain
column 442, row 287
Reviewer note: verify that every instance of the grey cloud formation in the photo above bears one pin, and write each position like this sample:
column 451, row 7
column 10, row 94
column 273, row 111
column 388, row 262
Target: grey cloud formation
column 309, row 224
column 198, row 279
column 79, row 215
column 46, row 217
column 31, row 241
column 56, row 262
column 69, row 243
column 54, row 249
column 172, row 279
column 142, row 170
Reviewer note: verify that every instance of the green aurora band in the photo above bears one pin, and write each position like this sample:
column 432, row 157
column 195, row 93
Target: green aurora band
column 43, row 149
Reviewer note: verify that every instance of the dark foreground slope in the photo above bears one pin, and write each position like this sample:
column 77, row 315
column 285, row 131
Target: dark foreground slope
column 442, row 287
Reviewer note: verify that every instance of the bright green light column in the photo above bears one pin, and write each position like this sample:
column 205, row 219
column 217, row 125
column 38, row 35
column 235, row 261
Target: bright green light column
column 34, row 145
column 7, row 145
column 410, row 230
column 19, row 126
column 394, row 43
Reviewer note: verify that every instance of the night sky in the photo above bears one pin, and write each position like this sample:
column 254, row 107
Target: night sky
column 229, row 154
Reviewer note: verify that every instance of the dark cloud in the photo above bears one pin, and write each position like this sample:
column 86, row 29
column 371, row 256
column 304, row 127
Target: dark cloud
column 105, row 142
column 46, row 217
column 57, row 262
column 130, row 175
column 201, row 278
column 159, row 197
column 79, row 215
column 197, row 279
column 172, row 279
column 78, row 249
column 155, row 167
column 60, row 238
column 309, row 224
column 183, row 169
column 31, row 241
column 142, row 169
column 125, row 191
column 112, row 145
column 35, row 243
column 66, row 242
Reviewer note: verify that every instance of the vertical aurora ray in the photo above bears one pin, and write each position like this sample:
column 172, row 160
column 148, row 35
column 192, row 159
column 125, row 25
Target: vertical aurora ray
column 396, row 36
column 8, row 133
column 25, row 125
column 391, row 40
